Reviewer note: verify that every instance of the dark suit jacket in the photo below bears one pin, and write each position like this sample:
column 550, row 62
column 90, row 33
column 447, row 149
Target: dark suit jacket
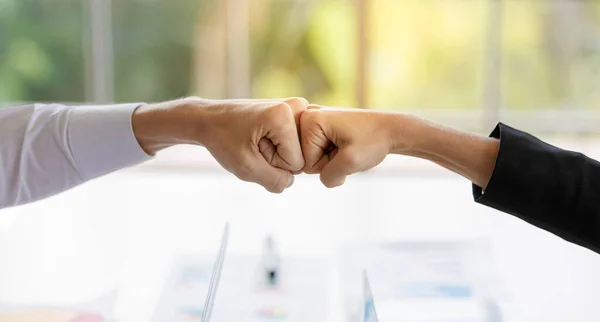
column 554, row 189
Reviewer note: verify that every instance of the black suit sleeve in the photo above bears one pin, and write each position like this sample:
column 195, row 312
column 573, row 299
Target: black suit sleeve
column 554, row 189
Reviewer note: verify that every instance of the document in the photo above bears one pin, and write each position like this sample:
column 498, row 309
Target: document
column 423, row 281
column 247, row 291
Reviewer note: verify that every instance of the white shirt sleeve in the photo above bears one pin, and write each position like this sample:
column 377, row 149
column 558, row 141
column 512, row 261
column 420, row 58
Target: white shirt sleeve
column 47, row 149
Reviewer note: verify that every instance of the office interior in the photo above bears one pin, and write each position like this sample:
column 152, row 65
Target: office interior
column 109, row 246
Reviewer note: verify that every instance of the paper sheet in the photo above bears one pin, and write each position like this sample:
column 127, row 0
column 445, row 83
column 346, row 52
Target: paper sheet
column 300, row 296
column 422, row 281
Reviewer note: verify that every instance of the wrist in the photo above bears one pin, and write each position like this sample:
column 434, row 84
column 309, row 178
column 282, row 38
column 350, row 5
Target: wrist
column 408, row 134
column 161, row 125
column 150, row 129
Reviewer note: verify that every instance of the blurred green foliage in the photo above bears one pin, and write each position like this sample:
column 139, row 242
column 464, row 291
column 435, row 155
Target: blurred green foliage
column 41, row 50
column 551, row 54
column 427, row 54
column 305, row 48
column 153, row 45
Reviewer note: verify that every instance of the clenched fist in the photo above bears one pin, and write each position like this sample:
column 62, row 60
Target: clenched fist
column 340, row 142
column 256, row 140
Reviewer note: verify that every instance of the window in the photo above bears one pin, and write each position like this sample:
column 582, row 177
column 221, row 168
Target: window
column 425, row 54
column 465, row 62
column 155, row 47
column 551, row 54
column 304, row 48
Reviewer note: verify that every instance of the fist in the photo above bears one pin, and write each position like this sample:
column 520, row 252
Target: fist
column 339, row 142
column 256, row 140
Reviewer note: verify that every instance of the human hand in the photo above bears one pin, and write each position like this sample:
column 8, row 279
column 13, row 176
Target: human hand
column 339, row 142
column 256, row 140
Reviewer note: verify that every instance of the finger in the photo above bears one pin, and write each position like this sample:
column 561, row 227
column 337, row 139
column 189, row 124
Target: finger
column 300, row 102
column 314, row 141
column 273, row 179
column 298, row 106
column 283, row 133
column 328, row 154
column 344, row 163
column 328, row 108
column 269, row 152
column 267, row 100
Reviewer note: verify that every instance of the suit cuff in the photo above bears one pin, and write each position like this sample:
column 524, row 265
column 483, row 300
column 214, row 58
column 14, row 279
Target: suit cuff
column 478, row 192
column 523, row 162
column 102, row 140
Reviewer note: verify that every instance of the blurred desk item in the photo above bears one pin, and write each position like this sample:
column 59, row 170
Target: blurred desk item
column 243, row 294
column 424, row 281
column 96, row 310
column 50, row 316
column 270, row 262
column 185, row 289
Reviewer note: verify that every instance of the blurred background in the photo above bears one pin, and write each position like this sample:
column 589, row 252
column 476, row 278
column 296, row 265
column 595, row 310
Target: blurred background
column 468, row 61
column 533, row 64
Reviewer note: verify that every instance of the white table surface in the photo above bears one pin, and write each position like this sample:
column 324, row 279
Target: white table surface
column 124, row 229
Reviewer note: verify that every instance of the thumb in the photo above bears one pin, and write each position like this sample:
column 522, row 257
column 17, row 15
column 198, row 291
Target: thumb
column 344, row 163
column 273, row 179
column 314, row 140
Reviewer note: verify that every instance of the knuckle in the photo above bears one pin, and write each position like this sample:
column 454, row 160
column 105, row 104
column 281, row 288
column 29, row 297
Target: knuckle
column 297, row 102
column 297, row 165
column 280, row 108
column 326, row 183
column 278, row 189
column 310, row 170
column 275, row 190
column 278, row 185
column 336, row 181
column 191, row 100
column 278, row 113
column 310, row 117
column 296, row 161
column 330, row 182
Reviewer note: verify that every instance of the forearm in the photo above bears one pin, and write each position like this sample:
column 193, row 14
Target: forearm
column 472, row 156
column 47, row 149
column 549, row 187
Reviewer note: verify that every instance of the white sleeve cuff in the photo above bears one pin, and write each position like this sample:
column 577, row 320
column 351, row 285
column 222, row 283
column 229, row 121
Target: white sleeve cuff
column 101, row 139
